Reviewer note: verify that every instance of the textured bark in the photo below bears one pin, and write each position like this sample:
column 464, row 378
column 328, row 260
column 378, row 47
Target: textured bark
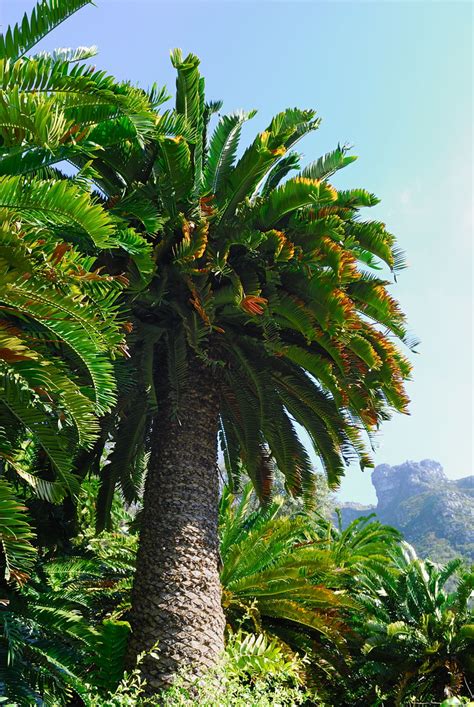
column 177, row 594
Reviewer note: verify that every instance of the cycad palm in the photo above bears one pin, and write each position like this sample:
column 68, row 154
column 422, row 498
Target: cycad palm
column 277, row 578
column 250, row 313
column 256, row 316
column 274, row 568
column 366, row 549
column 419, row 635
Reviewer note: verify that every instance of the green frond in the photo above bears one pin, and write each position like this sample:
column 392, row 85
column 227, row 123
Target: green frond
column 363, row 349
column 377, row 303
column 16, row 536
column 356, row 198
column 26, row 160
column 229, row 446
column 58, row 202
column 188, row 95
column 222, row 150
column 243, row 420
column 290, row 611
column 233, row 509
column 249, row 171
column 51, row 491
column 191, row 104
column 157, row 95
column 139, row 249
column 292, row 313
column 129, row 438
column 328, row 165
column 88, row 98
column 464, row 590
column 372, row 236
column 292, row 124
column 41, row 374
column 172, row 124
column 70, row 324
column 109, row 650
column 175, row 175
column 258, row 455
column 279, row 171
column 25, row 406
column 290, row 454
column 255, row 655
column 327, row 425
column 33, row 120
column 45, row 17
column 315, row 364
column 68, row 54
column 292, row 195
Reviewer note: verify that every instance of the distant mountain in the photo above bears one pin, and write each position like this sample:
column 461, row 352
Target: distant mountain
column 434, row 513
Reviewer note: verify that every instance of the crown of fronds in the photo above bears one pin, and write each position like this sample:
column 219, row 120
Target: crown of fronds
column 259, row 267
column 265, row 276
column 421, row 632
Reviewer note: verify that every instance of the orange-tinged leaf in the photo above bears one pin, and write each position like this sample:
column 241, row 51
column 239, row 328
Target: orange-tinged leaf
column 10, row 355
column 59, row 252
column 253, row 304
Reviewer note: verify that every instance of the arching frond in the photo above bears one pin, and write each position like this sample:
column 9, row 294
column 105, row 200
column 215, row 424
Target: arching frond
column 45, row 16
column 222, row 150
column 326, row 166
column 16, row 535
column 59, row 203
column 272, row 571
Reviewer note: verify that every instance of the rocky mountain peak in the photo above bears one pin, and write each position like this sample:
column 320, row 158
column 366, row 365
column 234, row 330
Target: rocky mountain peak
column 395, row 483
column 433, row 512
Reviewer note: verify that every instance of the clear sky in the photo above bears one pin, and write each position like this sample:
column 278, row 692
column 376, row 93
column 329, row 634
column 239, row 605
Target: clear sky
column 394, row 79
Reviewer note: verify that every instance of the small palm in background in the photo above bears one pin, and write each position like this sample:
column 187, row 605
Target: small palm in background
column 275, row 573
column 420, row 635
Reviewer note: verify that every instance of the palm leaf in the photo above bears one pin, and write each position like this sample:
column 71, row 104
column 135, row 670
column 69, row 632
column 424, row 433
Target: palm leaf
column 16, row 536
column 109, row 652
column 222, row 150
column 279, row 171
column 326, row 166
column 45, row 16
column 59, row 202
column 294, row 194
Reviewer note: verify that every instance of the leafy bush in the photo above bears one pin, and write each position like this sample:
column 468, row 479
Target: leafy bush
column 254, row 670
column 228, row 691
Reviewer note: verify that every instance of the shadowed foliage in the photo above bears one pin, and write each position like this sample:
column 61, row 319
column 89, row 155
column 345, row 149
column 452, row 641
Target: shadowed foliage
column 59, row 323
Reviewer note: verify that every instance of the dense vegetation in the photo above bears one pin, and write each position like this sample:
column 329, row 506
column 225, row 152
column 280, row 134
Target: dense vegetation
column 315, row 615
column 157, row 295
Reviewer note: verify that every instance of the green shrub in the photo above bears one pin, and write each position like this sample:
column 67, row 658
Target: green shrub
column 254, row 671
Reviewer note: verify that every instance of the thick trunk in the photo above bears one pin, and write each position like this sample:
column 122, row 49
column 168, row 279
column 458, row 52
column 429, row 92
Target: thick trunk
column 177, row 594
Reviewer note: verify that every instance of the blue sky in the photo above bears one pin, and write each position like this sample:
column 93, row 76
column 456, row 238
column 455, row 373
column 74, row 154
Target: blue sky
column 394, row 79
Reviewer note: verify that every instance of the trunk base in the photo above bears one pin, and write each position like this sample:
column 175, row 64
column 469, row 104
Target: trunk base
column 176, row 597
